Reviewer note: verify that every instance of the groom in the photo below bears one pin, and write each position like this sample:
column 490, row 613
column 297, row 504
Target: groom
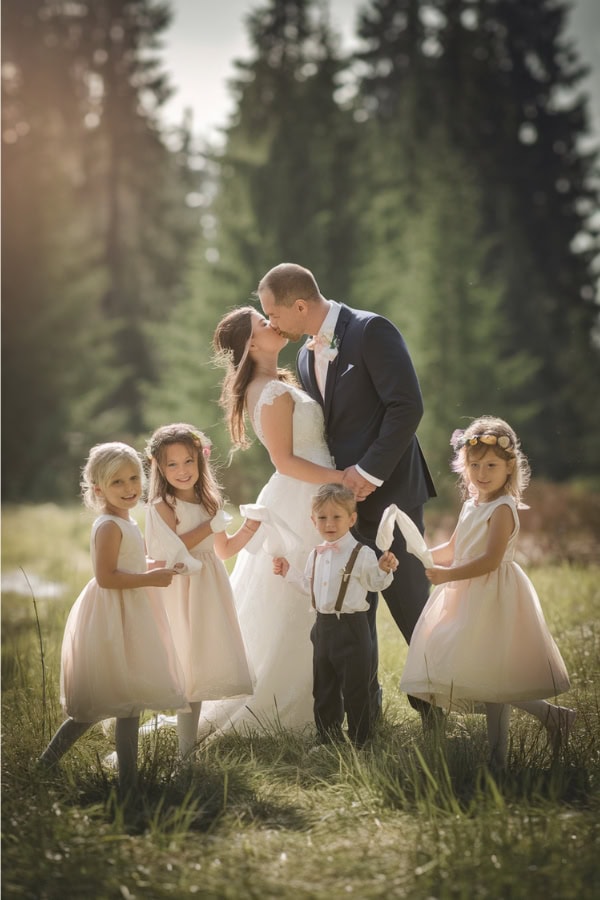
column 357, row 366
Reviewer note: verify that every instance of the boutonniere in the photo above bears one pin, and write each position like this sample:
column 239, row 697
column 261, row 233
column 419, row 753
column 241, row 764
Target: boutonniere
column 327, row 342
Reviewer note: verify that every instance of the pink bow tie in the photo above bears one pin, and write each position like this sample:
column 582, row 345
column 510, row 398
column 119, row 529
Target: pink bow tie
column 322, row 548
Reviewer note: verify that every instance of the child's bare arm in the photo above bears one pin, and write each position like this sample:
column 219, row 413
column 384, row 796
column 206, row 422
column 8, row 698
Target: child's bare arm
column 500, row 529
column 190, row 538
column 443, row 554
column 108, row 541
column 228, row 545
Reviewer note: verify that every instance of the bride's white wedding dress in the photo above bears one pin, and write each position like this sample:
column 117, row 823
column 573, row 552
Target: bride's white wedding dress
column 274, row 618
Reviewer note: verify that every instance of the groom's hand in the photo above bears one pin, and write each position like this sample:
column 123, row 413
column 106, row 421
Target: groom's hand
column 359, row 485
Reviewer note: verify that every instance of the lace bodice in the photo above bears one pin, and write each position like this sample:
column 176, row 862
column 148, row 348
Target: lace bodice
column 308, row 428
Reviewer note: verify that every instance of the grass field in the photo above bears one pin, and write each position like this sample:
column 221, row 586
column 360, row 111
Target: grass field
column 261, row 817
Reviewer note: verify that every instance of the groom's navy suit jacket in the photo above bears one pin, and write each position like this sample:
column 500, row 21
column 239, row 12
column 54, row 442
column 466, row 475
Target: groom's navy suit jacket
column 372, row 408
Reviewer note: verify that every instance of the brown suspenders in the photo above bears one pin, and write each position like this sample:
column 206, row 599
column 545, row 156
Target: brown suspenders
column 345, row 578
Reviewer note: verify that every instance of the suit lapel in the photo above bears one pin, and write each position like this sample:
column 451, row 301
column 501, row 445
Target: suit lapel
column 332, row 370
column 306, row 370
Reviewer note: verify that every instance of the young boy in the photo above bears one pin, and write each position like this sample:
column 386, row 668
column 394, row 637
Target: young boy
column 337, row 576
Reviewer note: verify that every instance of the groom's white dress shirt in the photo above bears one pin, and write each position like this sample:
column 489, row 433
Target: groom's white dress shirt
column 326, row 332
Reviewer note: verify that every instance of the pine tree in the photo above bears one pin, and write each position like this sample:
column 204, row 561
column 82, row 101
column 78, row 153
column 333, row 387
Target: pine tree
column 538, row 192
column 49, row 345
column 287, row 169
column 99, row 230
column 138, row 188
column 479, row 84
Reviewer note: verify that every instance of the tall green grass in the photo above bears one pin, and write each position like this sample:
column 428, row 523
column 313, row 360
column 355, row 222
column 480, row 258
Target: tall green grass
column 413, row 816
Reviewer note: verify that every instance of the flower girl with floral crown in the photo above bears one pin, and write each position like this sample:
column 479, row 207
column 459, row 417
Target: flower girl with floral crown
column 185, row 526
column 482, row 636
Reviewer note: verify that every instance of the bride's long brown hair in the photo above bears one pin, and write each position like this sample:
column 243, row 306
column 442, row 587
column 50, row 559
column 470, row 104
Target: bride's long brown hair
column 231, row 342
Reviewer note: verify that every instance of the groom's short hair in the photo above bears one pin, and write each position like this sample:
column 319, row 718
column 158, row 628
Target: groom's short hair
column 289, row 282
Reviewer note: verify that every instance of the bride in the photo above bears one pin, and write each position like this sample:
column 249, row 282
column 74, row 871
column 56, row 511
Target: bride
column 274, row 619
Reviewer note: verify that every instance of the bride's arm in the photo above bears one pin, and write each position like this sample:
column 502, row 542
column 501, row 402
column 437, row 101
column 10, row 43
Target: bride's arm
column 277, row 426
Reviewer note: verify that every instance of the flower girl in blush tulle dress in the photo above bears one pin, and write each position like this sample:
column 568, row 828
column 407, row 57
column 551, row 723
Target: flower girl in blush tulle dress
column 117, row 656
column 482, row 636
column 185, row 526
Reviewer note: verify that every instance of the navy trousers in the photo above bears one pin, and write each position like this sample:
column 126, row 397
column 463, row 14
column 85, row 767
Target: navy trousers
column 342, row 662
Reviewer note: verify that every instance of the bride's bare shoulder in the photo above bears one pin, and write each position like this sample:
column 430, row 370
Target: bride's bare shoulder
column 255, row 389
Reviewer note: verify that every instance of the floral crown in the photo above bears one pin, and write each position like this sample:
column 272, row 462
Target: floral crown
column 459, row 440
column 196, row 436
column 205, row 442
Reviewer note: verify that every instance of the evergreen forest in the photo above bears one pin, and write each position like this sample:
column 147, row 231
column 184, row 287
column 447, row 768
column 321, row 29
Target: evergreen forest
column 443, row 174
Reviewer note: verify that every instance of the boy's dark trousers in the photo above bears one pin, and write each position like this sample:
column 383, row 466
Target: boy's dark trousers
column 341, row 674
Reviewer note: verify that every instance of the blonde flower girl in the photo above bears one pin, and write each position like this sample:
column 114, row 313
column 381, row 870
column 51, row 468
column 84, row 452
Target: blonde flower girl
column 118, row 657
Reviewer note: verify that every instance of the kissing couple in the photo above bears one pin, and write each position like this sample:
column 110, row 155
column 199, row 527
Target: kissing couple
column 350, row 417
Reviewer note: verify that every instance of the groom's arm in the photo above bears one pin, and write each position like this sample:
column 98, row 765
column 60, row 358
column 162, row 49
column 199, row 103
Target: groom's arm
column 395, row 383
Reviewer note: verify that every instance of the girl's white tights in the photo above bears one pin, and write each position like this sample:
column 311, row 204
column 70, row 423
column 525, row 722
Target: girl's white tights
column 498, row 719
column 556, row 719
column 187, row 729
column 126, row 740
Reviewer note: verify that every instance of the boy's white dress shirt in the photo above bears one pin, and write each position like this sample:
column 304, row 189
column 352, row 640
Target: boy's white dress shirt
column 366, row 576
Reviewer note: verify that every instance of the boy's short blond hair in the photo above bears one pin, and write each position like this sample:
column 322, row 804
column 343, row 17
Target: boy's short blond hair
column 334, row 493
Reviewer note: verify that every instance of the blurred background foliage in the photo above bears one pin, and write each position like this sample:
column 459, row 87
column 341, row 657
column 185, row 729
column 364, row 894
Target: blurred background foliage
column 440, row 175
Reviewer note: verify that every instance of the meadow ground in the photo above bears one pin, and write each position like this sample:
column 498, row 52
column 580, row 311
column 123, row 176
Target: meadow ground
column 261, row 817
